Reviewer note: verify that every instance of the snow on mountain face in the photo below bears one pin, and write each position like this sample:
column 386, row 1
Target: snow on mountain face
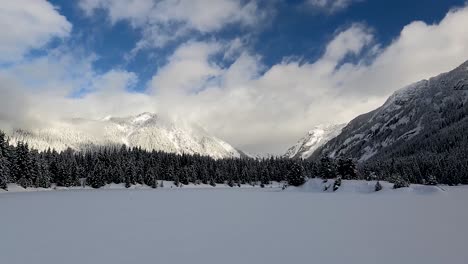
column 314, row 139
column 425, row 113
column 146, row 130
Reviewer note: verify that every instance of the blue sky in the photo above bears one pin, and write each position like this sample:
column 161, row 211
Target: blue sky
column 256, row 73
column 293, row 31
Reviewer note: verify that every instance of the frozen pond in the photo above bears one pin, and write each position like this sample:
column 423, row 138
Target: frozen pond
column 232, row 226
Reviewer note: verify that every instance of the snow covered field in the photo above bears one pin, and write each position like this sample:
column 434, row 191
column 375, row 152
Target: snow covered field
column 417, row 225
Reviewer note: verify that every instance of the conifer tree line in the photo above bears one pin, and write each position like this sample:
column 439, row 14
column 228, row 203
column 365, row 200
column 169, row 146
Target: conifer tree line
column 31, row 168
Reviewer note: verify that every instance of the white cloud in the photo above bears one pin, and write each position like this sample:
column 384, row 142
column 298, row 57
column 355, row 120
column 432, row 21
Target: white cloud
column 28, row 24
column 257, row 109
column 267, row 112
column 64, row 84
column 188, row 69
column 330, row 5
column 167, row 20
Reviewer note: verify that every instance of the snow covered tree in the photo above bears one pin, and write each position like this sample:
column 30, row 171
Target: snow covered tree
column 296, row 175
column 399, row 182
column 43, row 177
column 231, row 183
column 327, row 168
column 96, row 177
column 347, row 169
column 337, row 184
column 212, row 182
column 128, row 182
column 184, row 176
column 22, row 166
column 130, row 175
column 176, row 181
column 4, row 172
column 4, row 147
column 431, row 180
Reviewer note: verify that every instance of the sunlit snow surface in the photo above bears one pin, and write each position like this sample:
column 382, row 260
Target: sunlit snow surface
column 227, row 225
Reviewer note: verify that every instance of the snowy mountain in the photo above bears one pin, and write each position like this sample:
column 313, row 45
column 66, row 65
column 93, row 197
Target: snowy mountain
column 314, row 139
column 148, row 131
column 429, row 117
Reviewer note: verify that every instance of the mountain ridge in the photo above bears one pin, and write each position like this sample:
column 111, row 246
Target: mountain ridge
column 413, row 113
column 147, row 130
column 314, row 139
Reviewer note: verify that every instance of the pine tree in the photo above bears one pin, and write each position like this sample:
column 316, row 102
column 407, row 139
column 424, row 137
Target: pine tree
column 128, row 182
column 130, row 175
column 4, row 172
column 96, row 177
column 265, row 177
column 431, row 180
column 296, row 175
column 176, row 181
column 183, row 176
column 347, row 169
column 154, row 183
column 399, row 182
column 43, row 175
column 327, row 168
column 21, row 169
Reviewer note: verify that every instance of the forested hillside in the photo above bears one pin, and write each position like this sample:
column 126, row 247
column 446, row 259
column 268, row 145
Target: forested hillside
column 421, row 132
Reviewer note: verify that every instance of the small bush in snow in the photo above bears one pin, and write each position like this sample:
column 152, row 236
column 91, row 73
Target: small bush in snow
column 127, row 182
column 212, row 183
column 378, row 186
column 231, row 183
column 337, row 184
column 154, row 184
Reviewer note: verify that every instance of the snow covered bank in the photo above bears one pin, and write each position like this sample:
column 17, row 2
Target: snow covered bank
column 168, row 185
column 355, row 186
column 313, row 185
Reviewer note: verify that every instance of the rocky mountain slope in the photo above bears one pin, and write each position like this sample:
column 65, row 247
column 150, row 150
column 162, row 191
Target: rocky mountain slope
column 148, row 131
column 314, row 139
column 429, row 117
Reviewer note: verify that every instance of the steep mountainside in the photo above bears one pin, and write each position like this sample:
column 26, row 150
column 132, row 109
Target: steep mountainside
column 146, row 130
column 426, row 119
column 314, row 139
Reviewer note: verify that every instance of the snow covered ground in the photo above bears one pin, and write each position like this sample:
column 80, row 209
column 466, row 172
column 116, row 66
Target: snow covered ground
column 238, row 225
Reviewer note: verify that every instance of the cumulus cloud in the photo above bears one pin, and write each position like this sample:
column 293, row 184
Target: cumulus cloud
column 28, row 24
column 167, row 20
column 256, row 108
column 244, row 105
column 64, row 84
column 267, row 112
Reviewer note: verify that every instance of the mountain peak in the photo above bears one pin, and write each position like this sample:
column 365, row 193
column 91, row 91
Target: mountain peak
column 314, row 139
column 143, row 117
column 144, row 130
